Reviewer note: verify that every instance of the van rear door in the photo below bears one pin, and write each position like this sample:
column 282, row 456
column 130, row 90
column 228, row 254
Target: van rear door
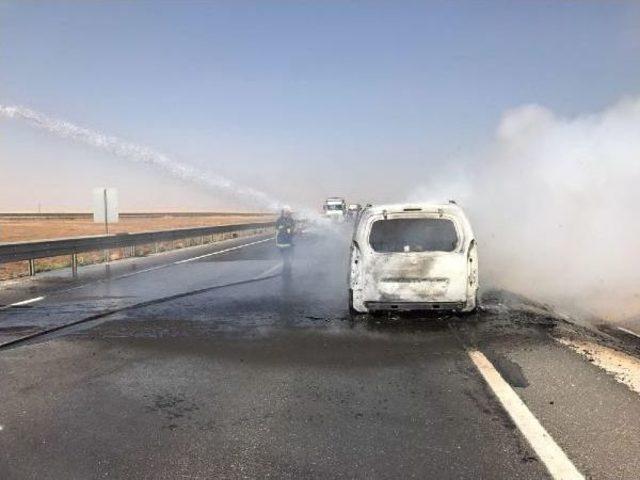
column 417, row 259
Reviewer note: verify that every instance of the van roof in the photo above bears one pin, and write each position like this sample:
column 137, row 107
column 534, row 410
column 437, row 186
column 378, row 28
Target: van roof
column 451, row 208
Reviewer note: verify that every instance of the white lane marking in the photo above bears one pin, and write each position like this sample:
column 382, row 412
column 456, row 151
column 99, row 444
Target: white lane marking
column 165, row 265
column 624, row 368
column 23, row 302
column 630, row 332
column 270, row 271
column 221, row 251
column 556, row 461
column 137, row 272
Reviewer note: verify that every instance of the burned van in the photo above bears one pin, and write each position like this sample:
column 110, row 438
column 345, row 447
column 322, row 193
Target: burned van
column 413, row 257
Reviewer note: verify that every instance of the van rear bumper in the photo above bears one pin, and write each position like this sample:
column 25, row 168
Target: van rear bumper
column 414, row 306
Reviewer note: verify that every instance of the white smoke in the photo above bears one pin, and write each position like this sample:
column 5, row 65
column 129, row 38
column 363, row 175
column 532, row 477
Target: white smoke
column 136, row 153
column 554, row 202
column 556, row 207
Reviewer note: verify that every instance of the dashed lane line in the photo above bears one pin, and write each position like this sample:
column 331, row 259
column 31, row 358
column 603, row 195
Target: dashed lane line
column 266, row 275
column 238, row 247
column 545, row 447
column 22, row 302
column 137, row 272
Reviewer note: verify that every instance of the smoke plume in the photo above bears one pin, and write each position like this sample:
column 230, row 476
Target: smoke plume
column 555, row 206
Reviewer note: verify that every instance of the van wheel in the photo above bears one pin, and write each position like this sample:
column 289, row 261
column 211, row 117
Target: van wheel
column 352, row 310
column 475, row 307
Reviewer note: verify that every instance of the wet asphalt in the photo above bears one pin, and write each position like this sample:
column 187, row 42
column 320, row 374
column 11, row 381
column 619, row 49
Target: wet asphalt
column 228, row 367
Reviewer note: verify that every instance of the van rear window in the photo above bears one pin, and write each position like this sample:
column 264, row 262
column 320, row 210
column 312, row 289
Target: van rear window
column 413, row 235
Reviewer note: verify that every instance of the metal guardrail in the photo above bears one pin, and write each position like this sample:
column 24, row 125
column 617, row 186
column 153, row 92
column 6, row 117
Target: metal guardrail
column 124, row 215
column 20, row 251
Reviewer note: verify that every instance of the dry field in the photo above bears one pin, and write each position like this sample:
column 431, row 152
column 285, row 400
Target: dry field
column 18, row 228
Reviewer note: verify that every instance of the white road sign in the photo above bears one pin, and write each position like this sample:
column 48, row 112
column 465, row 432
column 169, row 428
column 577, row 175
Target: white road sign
column 105, row 203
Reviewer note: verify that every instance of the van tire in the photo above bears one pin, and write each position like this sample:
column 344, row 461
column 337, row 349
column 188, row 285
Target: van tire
column 352, row 310
column 474, row 309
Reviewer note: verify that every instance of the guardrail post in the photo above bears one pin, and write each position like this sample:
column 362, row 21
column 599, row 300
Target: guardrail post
column 74, row 265
column 161, row 240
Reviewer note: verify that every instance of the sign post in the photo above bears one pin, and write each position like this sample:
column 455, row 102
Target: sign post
column 105, row 210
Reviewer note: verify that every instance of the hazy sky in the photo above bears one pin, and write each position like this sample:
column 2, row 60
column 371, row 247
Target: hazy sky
column 300, row 99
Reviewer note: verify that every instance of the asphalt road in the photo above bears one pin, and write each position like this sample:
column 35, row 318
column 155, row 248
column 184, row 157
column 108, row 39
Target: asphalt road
column 223, row 367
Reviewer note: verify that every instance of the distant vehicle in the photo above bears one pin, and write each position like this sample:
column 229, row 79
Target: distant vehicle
column 352, row 211
column 413, row 257
column 335, row 208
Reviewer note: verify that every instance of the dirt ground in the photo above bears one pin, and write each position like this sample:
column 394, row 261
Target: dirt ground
column 22, row 228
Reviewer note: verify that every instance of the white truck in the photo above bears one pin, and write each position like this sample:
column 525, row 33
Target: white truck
column 335, row 208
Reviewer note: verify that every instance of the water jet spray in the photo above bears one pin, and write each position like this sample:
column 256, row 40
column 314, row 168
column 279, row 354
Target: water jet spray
column 137, row 153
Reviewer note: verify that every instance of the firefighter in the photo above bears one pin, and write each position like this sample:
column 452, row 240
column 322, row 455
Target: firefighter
column 285, row 228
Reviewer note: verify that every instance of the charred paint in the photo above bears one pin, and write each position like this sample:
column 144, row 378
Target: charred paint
column 418, row 277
